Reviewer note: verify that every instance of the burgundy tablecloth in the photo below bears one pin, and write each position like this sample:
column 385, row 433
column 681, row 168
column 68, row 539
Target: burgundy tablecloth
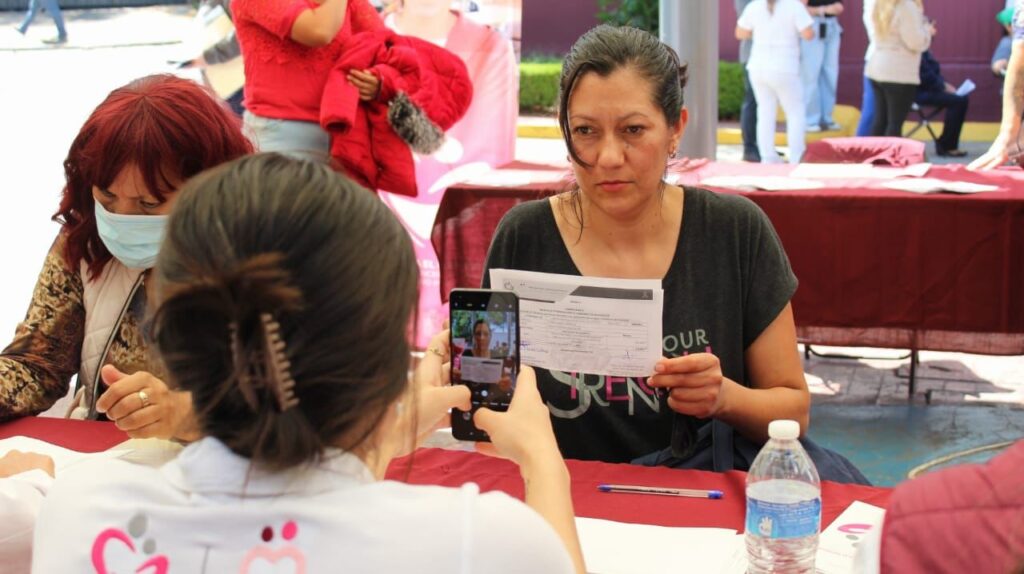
column 452, row 468
column 877, row 267
column 83, row 436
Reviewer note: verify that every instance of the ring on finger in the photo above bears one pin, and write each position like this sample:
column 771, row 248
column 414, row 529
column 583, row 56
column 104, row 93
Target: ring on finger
column 144, row 398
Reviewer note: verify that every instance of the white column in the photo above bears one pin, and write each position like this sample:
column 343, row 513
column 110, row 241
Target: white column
column 691, row 28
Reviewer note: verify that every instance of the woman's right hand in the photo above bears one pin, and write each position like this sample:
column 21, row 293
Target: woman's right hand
column 523, row 434
column 17, row 462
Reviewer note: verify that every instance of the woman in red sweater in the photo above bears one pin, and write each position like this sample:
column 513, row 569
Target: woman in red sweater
column 289, row 46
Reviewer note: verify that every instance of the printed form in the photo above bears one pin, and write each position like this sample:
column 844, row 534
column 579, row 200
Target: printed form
column 586, row 324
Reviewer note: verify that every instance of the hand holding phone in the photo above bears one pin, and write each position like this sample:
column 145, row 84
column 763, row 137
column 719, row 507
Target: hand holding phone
column 523, row 434
column 484, row 353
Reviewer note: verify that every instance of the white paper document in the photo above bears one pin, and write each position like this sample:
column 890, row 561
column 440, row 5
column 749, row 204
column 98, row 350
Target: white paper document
column 965, row 88
column 481, row 370
column 837, row 544
column 932, row 185
column 761, row 182
column 62, row 458
column 586, row 324
column 620, row 548
column 857, row 171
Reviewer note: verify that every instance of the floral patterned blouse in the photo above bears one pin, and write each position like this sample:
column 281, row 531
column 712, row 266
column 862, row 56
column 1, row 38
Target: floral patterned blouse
column 36, row 368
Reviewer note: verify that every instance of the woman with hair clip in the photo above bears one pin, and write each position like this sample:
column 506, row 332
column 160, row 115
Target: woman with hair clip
column 278, row 313
column 122, row 173
column 730, row 362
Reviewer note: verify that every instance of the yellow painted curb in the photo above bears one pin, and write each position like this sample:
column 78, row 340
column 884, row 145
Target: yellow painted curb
column 846, row 116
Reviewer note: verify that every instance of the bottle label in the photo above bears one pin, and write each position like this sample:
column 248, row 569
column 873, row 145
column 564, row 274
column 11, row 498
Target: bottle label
column 783, row 520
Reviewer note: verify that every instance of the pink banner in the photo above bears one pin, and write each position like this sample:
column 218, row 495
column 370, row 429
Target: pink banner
column 482, row 34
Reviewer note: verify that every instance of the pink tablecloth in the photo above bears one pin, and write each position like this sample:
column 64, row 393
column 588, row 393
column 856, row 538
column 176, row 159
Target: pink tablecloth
column 877, row 267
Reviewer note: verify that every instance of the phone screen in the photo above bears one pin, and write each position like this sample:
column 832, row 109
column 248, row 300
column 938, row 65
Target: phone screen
column 485, row 353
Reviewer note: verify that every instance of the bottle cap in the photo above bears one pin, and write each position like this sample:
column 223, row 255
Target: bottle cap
column 784, row 429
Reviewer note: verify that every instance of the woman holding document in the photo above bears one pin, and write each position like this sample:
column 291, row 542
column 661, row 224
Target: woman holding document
column 730, row 361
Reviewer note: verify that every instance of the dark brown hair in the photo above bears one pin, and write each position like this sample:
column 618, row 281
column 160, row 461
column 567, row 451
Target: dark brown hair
column 329, row 262
column 605, row 49
column 168, row 127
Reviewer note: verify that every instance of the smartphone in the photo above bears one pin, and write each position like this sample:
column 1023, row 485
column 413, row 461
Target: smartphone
column 485, row 353
column 822, row 30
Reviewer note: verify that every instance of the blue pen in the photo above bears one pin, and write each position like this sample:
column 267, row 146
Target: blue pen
column 663, row 491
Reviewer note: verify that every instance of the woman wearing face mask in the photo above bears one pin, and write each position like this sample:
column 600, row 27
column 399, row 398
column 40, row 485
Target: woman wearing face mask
column 122, row 171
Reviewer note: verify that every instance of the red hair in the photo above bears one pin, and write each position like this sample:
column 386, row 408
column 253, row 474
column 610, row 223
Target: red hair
column 168, row 127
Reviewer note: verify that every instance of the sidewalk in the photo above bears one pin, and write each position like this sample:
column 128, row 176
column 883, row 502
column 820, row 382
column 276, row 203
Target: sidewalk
column 100, row 28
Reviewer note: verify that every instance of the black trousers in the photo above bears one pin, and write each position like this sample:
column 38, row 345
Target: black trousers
column 892, row 104
column 956, row 112
column 748, row 121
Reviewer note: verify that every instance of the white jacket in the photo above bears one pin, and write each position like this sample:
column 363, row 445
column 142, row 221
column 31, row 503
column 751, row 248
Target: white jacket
column 105, row 299
column 20, row 498
column 208, row 512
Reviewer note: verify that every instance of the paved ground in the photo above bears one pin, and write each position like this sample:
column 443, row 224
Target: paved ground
column 48, row 92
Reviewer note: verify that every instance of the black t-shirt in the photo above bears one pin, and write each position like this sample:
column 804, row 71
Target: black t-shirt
column 728, row 280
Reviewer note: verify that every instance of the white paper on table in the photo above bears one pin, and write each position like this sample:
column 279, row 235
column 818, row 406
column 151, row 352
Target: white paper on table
column 586, row 324
column 932, row 185
column 63, row 458
column 619, row 548
column 857, row 171
column 761, row 182
column 965, row 88
column 480, row 370
column 837, row 545
column 507, row 177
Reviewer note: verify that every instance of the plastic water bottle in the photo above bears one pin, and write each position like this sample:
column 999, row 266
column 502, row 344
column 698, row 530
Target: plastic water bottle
column 783, row 505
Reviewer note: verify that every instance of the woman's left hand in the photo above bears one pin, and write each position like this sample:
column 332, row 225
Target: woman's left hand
column 694, row 383
column 144, row 407
column 366, row 82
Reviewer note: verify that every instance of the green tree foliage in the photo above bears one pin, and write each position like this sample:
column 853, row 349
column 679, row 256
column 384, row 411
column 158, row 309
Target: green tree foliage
column 641, row 14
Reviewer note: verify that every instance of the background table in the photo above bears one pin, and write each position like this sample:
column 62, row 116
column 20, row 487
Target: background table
column 453, row 468
column 877, row 267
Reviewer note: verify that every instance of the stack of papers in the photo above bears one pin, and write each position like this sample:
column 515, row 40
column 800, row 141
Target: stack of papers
column 761, row 182
column 932, row 185
column 620, row 548
column 857, row 171
column 63, row 458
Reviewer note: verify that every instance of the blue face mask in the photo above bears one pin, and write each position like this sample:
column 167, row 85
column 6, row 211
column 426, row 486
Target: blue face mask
column 133, row 239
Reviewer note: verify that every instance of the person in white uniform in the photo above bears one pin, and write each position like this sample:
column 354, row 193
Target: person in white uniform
column 285, row 305
column 776, row 26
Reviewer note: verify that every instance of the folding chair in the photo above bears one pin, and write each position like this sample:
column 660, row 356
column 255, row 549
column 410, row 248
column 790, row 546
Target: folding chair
column 925, row 115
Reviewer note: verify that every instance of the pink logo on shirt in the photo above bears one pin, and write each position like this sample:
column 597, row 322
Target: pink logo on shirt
column 123, row 553
column 262, row 557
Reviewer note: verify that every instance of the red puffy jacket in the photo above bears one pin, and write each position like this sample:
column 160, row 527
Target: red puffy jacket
column 424, row 90
column 966, row 519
